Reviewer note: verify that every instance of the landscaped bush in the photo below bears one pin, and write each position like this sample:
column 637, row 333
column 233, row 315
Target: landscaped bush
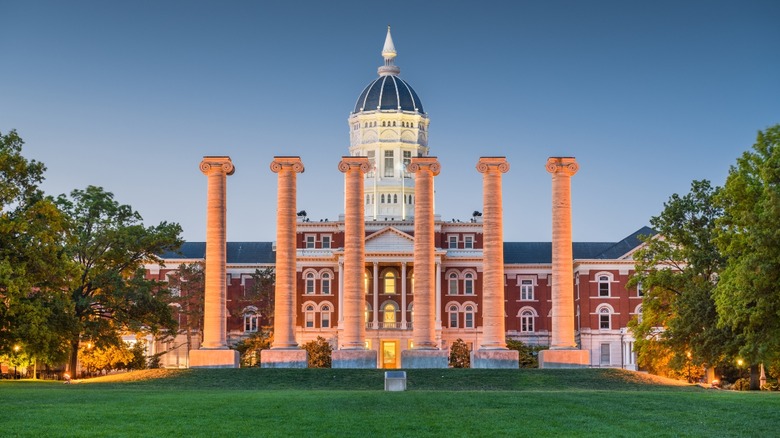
column 460, row 356
column 528, row 353
column 319, row 352
column 742, row 384
column 249, row 348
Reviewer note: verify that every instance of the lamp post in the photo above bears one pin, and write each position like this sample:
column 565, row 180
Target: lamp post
column 16, row 358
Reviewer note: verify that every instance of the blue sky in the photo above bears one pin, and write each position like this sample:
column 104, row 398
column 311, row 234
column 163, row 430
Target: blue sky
column 646, row 95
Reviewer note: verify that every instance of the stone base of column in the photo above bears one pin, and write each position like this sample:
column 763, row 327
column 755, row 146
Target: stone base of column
column 362, row 359
column 564, row 358
column 221, row 358
column 424, row 359
column 495, row 359
column 284, row 358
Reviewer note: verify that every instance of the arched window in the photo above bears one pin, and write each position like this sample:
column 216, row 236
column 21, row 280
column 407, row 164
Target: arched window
column 605, row 320
column 395, row 199
column 310, row 283
column 309, row 313
column 389, row 282
column 468, row 315
column 325, row 316
column 603, row 286
column 638, row 312
column 468, row 284
column 325, row 287
column 368, row 312
column 382, row 198
column 453, row 311
column 527, row 321
column 453, row 284
column 366, row 282
column 251, row 319
column 410, row 309
column 388, row 314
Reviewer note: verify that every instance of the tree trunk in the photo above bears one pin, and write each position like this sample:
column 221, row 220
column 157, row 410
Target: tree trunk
column 74, row 357
column 754, row 378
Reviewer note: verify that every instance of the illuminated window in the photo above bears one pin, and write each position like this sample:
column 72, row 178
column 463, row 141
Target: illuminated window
column 526, row 290
column 389, row 283
column 325, row 284
column 453, row 284
column 388, row 314
column 366, row 282
column 310, row 283
column 468, row 285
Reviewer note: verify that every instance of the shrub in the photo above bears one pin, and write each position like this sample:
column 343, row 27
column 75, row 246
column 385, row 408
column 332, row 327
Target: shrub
column 319, row 352
column 460, row 357
column 528, row 353
column 742, row 384
column 249, row 348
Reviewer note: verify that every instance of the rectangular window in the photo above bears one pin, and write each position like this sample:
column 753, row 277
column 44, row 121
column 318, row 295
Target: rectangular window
column 326, row 241
column 604, row 321
column 325, row 319
column 309, row 319
column 468, row 242
column 605, row 359
column 453, row 320
column 526, row 290
column 469, row 320
column 372, row 162
column 453, row 242
column 389, row 164
column 407, row 160
column 639, row 291
column 310, row 241
column 326, row 287
column 453, row 289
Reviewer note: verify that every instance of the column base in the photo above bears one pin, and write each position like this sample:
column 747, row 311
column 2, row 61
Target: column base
column 564, row 358
column 495, row 359
column 222, row 358
column 362, row 359
column 424, row 359
column 284, row 358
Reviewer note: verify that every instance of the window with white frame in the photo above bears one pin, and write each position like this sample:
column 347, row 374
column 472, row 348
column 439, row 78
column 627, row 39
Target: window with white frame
column 325, row 316
column 389, row 164
column 468, row 284
column 251, row 321
column 526, row 290
column 605, row 359
column 468, row 317
column 452, row 283
column 326, row 242
column 603, row 286
column 325, row 285
column 407, row 160
column 310, row 283
column 468, row 242
column 639, row 291
column 605, row 318
column 527, row 321
column 309, row 314
column 453, row 241
column 372, row 163
column 453, row 311
column 310, row 239
column 638, row 312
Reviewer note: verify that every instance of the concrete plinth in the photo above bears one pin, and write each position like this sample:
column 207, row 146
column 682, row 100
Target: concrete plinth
column 424, row 359
column 222, row 358
column 495, row 359
column 363, row 359
column 564, row 359
column 284, row 358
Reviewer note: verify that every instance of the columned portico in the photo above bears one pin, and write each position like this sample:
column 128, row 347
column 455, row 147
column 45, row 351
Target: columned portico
column 352, row 352
column 492, row 352
column 214, row 352
column 284, row 352
column 563, row 352
column 425, row 352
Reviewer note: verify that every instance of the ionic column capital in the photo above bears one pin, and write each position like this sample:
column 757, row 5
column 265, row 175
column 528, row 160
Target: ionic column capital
column 354, row 163
column 566, row 166
column 293, row 164
column 419, row 164
column 492, row 164
column 217, row 164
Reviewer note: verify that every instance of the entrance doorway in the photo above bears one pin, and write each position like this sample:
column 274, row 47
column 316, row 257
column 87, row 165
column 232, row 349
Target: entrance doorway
column 389, row 354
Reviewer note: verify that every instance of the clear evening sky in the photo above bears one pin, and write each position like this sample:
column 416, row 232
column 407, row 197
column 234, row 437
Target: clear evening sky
column 646, row 95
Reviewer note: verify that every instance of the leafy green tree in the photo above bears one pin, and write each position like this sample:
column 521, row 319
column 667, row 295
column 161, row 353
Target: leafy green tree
column 748, row 293
column 250, row 348
column 529, row 354
column 32, row 263
column 460, row 356
column 188, row 290
column 109, row 293
column 677, row 269
column 261, row 295
column 319, row 352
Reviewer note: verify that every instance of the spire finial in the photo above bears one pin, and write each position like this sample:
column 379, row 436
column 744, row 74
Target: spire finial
column 389, row 53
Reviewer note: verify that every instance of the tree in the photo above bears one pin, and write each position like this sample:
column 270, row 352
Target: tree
column 250, row 348
column 188, row 290
column 460, row 356
column 261, row 295
column 319, row 352
column 528, row 357
column 748, row 293
column 109, row 293
column 32, row 263
column 676, row 268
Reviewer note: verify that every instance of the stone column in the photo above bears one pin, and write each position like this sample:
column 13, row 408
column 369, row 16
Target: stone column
column 563, row 351
column 352, row 352
column 403, row 295
column 492, row 352
column 341, row 294
column 214, row 352
column 284, row 352
column 375, row 302
column 425, row 352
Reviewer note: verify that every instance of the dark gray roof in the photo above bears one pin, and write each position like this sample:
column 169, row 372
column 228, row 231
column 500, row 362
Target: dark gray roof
column 388, row 93
column 514, row 252
column 237, row 252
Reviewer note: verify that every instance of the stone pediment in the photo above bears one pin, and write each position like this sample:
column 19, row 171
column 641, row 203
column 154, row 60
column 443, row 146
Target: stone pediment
column 389, row 239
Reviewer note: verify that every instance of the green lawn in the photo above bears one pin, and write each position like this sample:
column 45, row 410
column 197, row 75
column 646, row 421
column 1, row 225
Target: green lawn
column 272, row 402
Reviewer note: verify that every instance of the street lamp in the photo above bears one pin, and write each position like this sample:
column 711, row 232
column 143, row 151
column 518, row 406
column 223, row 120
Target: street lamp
column 16, row 351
